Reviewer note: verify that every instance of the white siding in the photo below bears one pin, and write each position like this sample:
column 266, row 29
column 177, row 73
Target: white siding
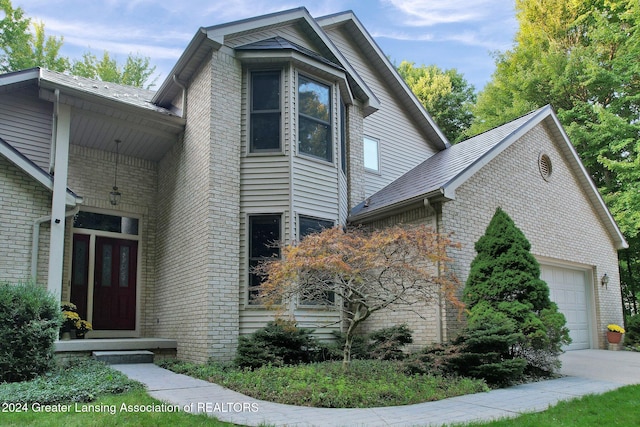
column 402, row 145
column 25, row 123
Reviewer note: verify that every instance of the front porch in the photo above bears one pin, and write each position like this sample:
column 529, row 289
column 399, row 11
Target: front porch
column 162, row 348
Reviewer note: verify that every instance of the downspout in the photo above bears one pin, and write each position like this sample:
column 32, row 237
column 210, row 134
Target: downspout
column 35, row 242
column 54, row 127
column 184, row 95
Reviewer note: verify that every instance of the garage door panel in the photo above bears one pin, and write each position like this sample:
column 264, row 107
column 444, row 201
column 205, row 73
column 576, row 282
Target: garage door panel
column 568, row 289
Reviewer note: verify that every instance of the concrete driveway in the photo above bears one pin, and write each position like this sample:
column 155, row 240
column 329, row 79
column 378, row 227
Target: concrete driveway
column 622, row 367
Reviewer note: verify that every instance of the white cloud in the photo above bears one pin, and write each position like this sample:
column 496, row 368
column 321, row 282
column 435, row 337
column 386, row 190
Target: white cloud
column 428, row 13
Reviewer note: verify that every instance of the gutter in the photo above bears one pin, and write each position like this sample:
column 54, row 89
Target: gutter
column 184, row 95
column 35, row 242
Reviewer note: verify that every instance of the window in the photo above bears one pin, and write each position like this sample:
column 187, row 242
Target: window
column 371, row 154
column 265, row 111
column 308, row 225
column 314, row 123
column 104, row 222
column 264, row 234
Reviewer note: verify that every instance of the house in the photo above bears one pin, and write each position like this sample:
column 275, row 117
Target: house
column 148, row 209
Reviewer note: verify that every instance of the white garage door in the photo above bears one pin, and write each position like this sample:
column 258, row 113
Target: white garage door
column 569, row 290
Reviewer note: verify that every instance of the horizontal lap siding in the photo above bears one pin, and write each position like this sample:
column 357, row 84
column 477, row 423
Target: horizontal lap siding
column 402, row 145
column 26, row 123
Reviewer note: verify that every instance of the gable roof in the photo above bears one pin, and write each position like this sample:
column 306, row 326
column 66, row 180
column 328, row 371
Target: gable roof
column 30, row 168
column 377, row 58
column 213, row 38
column 440, row 175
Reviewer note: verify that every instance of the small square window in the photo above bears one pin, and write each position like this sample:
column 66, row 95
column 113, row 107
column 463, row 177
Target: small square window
column 371, row 154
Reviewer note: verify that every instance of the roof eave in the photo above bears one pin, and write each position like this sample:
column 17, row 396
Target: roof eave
column 441, row 194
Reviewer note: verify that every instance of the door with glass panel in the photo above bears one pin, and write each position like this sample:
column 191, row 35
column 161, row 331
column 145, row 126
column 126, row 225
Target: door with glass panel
column 114, row 289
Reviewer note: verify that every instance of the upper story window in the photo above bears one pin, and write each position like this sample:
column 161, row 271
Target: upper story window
column 314, row 119
column 265, row 111
column 371, row 154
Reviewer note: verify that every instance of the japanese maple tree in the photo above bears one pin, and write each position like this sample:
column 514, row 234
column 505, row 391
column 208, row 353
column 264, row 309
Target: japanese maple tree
column 362, row 272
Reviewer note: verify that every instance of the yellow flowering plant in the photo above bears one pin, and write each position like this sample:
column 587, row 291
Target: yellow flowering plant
column 615, row 328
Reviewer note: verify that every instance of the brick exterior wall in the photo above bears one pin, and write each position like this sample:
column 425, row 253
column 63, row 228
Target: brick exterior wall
column 355, row 155
column 555, row 215
column 91, row 174
column 422, row 319
column 196, row 298
column 22, row 201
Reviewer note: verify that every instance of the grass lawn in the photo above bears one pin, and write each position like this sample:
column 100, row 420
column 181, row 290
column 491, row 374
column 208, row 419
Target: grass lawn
column 107, row 418
column 615, row 408
column 88, row 393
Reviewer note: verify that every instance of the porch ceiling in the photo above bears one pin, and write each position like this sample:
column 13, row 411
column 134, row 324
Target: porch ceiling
column 139, row 138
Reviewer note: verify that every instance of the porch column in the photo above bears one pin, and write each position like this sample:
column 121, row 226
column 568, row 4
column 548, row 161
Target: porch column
column 61, row 162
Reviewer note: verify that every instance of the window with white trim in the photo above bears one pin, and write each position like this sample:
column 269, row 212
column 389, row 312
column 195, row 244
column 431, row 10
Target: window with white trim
column 371, row 154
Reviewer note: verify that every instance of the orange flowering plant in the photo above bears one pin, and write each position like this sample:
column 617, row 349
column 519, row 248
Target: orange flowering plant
column 364, row 271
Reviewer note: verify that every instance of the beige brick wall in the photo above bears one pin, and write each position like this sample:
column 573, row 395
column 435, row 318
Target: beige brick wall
column 91, row 174
column 196, row 298
column 423, row 319
column 22, row 201
column 555, row 215
column 355, row 155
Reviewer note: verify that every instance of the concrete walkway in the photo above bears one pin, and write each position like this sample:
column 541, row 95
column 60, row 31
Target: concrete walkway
column 591, row 366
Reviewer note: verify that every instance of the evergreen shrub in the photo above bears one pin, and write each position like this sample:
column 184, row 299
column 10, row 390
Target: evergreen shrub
column 504, row 285
column 279, row 343
column 30, row 319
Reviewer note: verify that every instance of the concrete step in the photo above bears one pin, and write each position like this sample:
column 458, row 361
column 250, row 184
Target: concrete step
column 122, row 357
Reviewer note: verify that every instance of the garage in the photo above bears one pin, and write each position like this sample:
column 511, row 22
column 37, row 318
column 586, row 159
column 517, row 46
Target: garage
column 569, row 290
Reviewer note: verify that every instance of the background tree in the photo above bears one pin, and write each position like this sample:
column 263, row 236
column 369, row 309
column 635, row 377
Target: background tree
column 366, row 271
column 582, row 58
column 505, row 278
column 135, row 72
column 20, row 48
column 23, row 44
column 445, row 94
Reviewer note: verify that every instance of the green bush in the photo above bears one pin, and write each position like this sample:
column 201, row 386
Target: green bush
column 29, row 323
column 387, row 343
column 484, row 349
column 632, row 329
column 279, row 343
column 505, row 276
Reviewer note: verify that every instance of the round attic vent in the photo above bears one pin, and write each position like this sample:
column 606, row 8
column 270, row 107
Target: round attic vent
column 544, row 163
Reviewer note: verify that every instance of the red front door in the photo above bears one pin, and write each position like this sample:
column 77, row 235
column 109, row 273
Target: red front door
column 114, row 288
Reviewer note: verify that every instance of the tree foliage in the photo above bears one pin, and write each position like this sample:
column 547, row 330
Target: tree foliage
column 24, row 44
column 445, row 94
column 135, row 72
column 20, row 48
column 581, row 56
column 505, row 278
column 365, row 271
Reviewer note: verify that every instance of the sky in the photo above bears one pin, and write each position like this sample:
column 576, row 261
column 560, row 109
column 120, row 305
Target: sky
column 460, row 34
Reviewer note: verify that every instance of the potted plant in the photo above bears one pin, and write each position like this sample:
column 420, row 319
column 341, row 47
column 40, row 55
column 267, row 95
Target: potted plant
column 82, row 327
column 614, row 333
column 72, row 323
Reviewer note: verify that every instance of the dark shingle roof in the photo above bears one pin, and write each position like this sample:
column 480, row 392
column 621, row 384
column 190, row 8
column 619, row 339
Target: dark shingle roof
column 279, row 43
column 434, row 174
column 127, row 94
